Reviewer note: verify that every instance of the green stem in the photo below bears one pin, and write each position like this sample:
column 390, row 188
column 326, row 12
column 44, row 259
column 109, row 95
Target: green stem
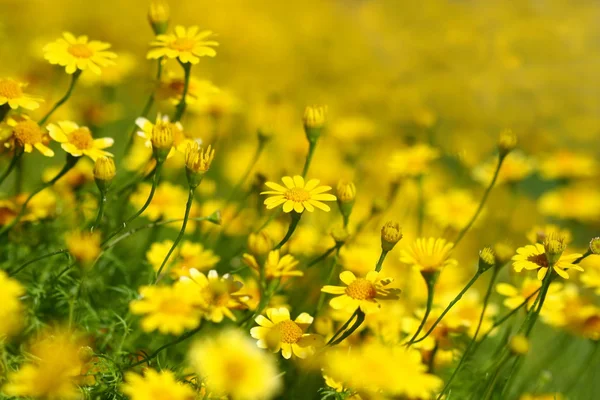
column 4, row 109
column 62, row 101
column 343, row 327
column 22, row 267
column 360, row 318
column 382, row 256
column 161, row 348
column 311, row 150
column 448, row 308
column 322, row 256
column 180, row 109
column 69, row 163
column 18, row 152
column 188, row 207
column 100, row 210
column 486, row 194
column 430, row 281
column 293, row 224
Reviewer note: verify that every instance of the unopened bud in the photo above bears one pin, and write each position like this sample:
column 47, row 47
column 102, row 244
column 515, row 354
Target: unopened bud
column 259, row 243
column 554, row 245
column 391, row 233
column 197, row 162
column 104, row 172
column 340, row 235
column 487, row 259
column 158, row 16
column 503, row 252
column 595, row 245
column 314, row 121
column 162, row 139
column 507, row 142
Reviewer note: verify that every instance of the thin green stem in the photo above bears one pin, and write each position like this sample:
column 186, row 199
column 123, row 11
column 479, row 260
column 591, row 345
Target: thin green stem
column 448, row 308
column 188, row 207
column 180, row 339
column 311, row 150
column 100, row 210
column 22, row 266
column 63, row 100
column 180, row 109
column 430, row 281
column 379, row 264
column 18, row 152
column 69, row 163
column 333, row 339
column 486, row 194
column 293, row 224
column 322, row 256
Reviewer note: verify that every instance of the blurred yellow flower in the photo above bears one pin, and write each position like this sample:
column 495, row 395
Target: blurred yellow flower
column 155, row 385
column 428, row 254
column 516, row 296
column 78, row 141
column 278, row 332
column 533, row 257
column 515, row 168
column 170, row 88
column 581, row 203
column 298, row 195
column 165, row 202
column 11, row 312
column 453, row 209
column 190, row 255
column 11, row 93
column 28, row 134
column 84, row 246
column 79, row 53
column 362, row 293
column 412, row 161
column 275, row 266
column 187, row 45
column 538, row 234
column 567, row 164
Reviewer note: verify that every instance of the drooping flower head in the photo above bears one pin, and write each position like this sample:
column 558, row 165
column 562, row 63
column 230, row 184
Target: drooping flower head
column 11, row 93
column 187, row 45
column 78, row 141
column 298, row 195
column 79, row 53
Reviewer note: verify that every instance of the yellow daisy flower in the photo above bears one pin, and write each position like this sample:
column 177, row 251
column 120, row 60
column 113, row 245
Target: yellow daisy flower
column 78, row 141
column 180, row 141
column 218, row 295
column 171, row 87
column 28, row 134
column 413, row 161
column 83, row 245
column 191, row 255
column 278, row 332
column 77, row 53
column 11, row 93
column 361, row 292
column 298, row 196
column 428, row 254
column 168, row 309
column 533, row 257
column 154, row 385
column 275, row 266
column 187, row 45
column 453, row 209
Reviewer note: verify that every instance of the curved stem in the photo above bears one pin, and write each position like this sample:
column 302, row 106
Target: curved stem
column 430, row 281
column 322, row 256
column 180, row 109
column 448, row 308
column 13, row 162
column 69, row 163
column 295, row 219
column 161, row 348
column 333, row 339
column 311, row 150
column 100, row 210
column 63, row 100
column 486, row 194
column 188, row 207
column 21, row 267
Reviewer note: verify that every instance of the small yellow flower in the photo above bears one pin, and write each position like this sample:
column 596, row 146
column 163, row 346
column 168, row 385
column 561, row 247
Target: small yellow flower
column 158, row 16
column 218, row 295
column 533, row 257
column 188, row 45
column 278, row 332
column 155, row 385
column 428, row 254
column 315, row 116
column 28, row 134
column 11, row 312
column 191, row 255
column 259, row 243
column 84, row 246
column 452, row 209
column 77, row 53
column 391, row 233
column 413, row 161
column 11, row 93
column 298, row 196
column 275, row 266
column 197, row 159
column 163, row 127
column 78, row 141
column 104, row 169
column 346, row 191
column 168, row 309
column 361, row 292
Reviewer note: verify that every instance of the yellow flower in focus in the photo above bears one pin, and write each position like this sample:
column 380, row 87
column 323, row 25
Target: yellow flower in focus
column 11, row 312
column 277, row 332
column 374, row 368
column 218, row 295
column 84, row 246
column 534, row 257
column 155, row 385
column 52, row 372
column 78, row 141
column 453, row 209
column 275, row 266
column 230, row 364
column 168, row 309
column 149, row 130
column 298, row 196
column 361, row 293
column 428, row 254
column 77, row 53
column 566, row 164
column 412, row 161
column 191, row 255
column 28, row 134
column 11, row 93
column 187, row 45
column 515, row 168
column 197, row 159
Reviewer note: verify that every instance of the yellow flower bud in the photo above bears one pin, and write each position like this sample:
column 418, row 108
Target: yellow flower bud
column 340, row 234
column 507, row 142
column 487, row 258
column 162, row 139
column 519, row 345
column 158, row 16
column 197, row 162
column 554, row 245
column 346, row 191
column 595, row 245
column 259, row 243
column 104, row 172
column 391, row 233
column 85, row 354
column 314, row 121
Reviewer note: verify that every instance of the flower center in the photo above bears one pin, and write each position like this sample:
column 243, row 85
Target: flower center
column 182, row 44
column 80, row 50
column 289, row 331
column 539, row 259
column 28, row 132
column 81, row 138
column 361, row 289
column 10, row 89
column 297, row 195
